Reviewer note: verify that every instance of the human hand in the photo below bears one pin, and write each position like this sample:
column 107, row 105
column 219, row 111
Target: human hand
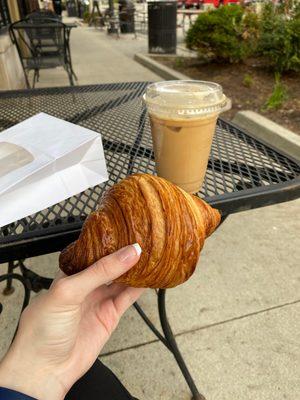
column 63, row 330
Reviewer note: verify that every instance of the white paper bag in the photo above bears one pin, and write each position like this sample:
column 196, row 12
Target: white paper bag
column 44, row 160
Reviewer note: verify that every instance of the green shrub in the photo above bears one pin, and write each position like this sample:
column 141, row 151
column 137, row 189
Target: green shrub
column 223, row 34
column 248, row 80
column 86, row 16
column 279, row 38
column 232, row 34
column 178, row 62
column 278, row 96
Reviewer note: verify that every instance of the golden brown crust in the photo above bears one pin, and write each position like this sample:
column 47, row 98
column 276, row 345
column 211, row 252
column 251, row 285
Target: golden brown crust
column 169, row 224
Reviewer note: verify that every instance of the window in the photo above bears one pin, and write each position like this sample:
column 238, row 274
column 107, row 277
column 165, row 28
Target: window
column 4, row 14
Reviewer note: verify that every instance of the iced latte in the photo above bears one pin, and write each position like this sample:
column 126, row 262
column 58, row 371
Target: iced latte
column 183, row 117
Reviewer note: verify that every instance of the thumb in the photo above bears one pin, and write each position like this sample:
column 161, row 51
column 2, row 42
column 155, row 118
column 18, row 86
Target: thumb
column 76, row 287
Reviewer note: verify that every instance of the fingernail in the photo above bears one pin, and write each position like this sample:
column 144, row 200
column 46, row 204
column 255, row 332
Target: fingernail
column 129, row 253
column 138, row 248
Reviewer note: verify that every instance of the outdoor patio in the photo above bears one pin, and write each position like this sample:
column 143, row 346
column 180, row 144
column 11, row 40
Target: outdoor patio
column 236, row 320
column 98, row 58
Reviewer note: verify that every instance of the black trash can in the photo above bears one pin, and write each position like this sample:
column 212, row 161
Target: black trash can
column 162, row 21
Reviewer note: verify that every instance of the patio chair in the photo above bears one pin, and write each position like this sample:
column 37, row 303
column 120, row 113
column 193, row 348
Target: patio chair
column 126, row 16
column 126, row 21
column 96, row 17
column 43, row 15
column 42, row 43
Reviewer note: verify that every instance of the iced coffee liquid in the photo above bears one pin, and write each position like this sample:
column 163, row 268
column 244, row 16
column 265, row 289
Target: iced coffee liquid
column 183, row 117
column 182, row 148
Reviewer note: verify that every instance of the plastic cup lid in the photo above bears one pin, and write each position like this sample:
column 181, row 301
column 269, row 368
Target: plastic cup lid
column 185, row 99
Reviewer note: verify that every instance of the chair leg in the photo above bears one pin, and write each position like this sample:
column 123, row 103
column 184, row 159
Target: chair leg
column 73, row 73
column 70, row 75
column 69, row 62
column 35, row 77
column 27, row 81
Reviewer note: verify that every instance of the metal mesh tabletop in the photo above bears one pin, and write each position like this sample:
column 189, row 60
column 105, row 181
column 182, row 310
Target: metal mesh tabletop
column 243, row 173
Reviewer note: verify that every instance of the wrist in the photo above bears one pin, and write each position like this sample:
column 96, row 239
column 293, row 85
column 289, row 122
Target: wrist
column 24, row 377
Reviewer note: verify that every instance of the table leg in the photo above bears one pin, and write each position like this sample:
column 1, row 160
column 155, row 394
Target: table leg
column 169, row 341
column 9, row 278
column 169, row 336
column 20, row 278
column 9, row 289
column 35, row 282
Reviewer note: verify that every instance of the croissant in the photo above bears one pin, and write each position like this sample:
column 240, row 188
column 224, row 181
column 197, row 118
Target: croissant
column 169, row 224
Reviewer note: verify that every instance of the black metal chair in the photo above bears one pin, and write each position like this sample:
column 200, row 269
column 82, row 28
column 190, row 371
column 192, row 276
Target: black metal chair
column 126, row 16
column 42, row 43
column 43, row 15
column 127, row 21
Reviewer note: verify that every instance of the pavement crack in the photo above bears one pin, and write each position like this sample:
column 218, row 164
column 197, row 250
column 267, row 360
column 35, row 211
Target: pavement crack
column 238, row 318
column 136, row 346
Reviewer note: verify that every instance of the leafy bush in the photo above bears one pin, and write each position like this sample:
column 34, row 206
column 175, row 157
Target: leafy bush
column 279, row 38
column 278, row 96
column 233, row 33
column 248, row 80
column 179, row 62
column 86, row 16
column 223, row 34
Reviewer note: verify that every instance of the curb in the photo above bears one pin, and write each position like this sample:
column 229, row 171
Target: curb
column 159, row 69
column 273, row 134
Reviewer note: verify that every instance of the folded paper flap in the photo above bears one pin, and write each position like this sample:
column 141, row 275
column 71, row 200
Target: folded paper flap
column 67, row 159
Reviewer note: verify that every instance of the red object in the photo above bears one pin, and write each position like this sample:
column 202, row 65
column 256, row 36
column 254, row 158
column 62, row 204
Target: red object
column 197, row 3
column 225, row 2
column 192, row 3
column 216, row 3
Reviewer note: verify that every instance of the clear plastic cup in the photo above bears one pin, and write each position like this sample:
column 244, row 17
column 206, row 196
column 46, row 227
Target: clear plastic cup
column 183, row 117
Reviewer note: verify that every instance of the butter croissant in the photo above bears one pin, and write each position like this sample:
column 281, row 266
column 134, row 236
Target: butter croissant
column 169, row 224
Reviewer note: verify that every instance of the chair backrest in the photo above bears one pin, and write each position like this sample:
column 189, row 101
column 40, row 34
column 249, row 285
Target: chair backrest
column 43, row 15
column 36, row 39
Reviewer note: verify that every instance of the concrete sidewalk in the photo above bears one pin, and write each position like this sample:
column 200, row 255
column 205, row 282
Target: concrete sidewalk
column 100, row 58
column 236, row 320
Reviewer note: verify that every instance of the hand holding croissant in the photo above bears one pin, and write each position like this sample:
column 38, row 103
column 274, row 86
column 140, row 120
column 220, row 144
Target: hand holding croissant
column 169, row 224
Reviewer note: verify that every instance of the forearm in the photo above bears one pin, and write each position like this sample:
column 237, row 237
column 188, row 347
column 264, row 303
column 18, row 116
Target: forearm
column 20, row 375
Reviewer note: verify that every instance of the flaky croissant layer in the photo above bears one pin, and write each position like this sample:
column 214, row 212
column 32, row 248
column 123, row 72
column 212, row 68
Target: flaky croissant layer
column 169, row 224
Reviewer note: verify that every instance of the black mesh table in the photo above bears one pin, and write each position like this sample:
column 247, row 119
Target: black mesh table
column 242, row 174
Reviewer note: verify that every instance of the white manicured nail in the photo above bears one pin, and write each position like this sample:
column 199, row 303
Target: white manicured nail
column 138, row 248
